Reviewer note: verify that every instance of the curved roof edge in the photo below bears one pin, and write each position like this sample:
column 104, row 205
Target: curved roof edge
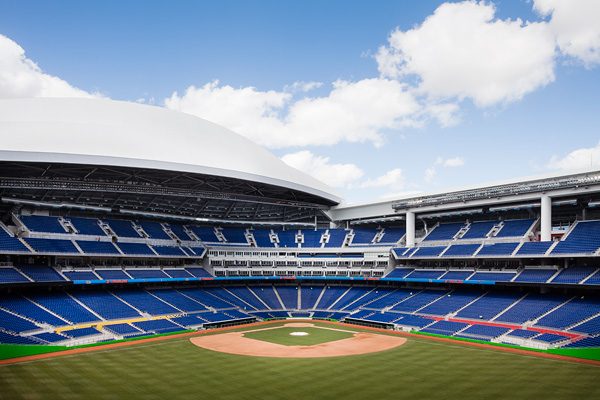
column 108, row 132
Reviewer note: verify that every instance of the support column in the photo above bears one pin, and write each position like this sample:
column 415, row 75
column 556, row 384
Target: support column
column 410, row 229
column 546, row 219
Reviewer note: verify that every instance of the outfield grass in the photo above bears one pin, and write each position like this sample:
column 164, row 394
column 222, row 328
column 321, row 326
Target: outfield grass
column 282, row 336
column 420, row 369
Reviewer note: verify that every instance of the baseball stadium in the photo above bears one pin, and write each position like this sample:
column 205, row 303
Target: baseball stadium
column 197, row 264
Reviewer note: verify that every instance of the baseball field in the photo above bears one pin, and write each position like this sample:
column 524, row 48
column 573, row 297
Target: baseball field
column 180, row 368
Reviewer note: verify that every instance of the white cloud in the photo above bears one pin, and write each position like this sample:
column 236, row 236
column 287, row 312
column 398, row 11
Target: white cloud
column 400, row 194
column 454, row 162
column 302, row 86
column 393, row 179
column 430, row 174
column 335, row 175
column 449, row 162
column 581, row 158
column 21, row 77
column 576, row 26
column 352, row 112
column 462, row 51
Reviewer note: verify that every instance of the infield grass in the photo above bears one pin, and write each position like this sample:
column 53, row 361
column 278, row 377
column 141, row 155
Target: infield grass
column 419, row 369
column 282, row 336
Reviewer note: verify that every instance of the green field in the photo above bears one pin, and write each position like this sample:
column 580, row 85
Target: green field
column 282, row 336
column 420, row 369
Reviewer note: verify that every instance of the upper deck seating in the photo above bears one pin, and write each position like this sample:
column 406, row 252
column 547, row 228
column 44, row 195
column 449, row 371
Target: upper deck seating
column 11, row 244
column 179, row 231
column 52, row 245
column 178, row 273
column 41, row 223
column 205, row 233
column 80, row 275
column 235, row 235
column 112, row 274
column 497, row 249
column 9, row 275
column 535, row 275
column 594, row 279
column 444, row 231
column 135, row 249
column 479, row 230
column 399, row 273
column 96, row 247
column 457, row 275
column 574, row 274
column 122, row 229
column 336, row 237
column 154, row 230
column 433, row 251
column 515, row 228
column 87, row 226
column 392, row 235
column 461, row 250
column 492, row 276
column 534, row 248
column 198, row 272
column 584, row 238
column 169, row 251
column 312, row 238
column 40, row 273
column 363, row 236
column 262, row 237
column 154, row 273
column 425, row 274
column 287, row 239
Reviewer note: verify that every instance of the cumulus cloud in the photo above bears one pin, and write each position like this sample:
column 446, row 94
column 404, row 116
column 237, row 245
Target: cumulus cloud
column 393, row 179
column 400, row 194
column 302, row 86
column 21, row 77
column 575, row 26
column 335, row 175
column 581, row 158
column 445, row 163
column 351, row 112
column 462, row 51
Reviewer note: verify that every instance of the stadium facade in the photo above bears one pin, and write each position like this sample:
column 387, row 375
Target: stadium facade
column 121, row 220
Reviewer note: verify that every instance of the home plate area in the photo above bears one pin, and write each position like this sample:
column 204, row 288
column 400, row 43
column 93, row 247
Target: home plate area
column 288, row 340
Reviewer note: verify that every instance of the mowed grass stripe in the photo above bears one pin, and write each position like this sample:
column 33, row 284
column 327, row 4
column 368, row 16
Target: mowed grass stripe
column 283, row 336
column 180, row 370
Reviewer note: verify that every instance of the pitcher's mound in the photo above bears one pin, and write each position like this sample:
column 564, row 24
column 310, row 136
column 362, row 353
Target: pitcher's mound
column 360, row 343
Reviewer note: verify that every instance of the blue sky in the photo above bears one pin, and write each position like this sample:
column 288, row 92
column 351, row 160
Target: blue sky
column 375, row 98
